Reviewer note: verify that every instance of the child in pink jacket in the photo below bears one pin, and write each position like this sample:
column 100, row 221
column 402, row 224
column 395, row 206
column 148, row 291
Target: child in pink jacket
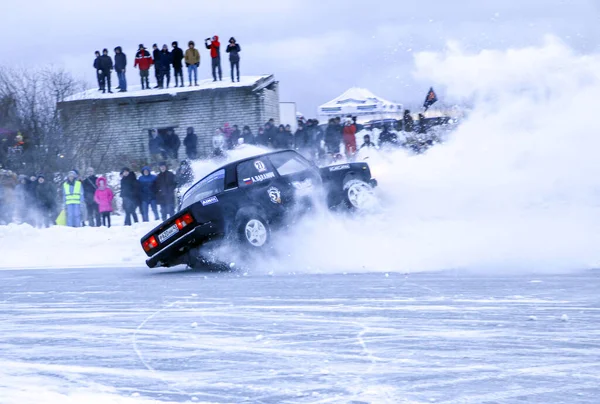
column 104, row 197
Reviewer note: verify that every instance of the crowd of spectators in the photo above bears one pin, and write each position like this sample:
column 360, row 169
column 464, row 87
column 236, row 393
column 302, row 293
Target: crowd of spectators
column 164, row 59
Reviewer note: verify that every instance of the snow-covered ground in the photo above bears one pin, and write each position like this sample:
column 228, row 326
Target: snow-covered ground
column 136, row 90
column 134, row 336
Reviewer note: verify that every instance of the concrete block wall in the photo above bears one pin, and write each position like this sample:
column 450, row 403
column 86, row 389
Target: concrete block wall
column 124, row 122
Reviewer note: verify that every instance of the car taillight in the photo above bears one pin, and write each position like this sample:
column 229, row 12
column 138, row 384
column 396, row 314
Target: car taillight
column 150, row 243
column 184, row 220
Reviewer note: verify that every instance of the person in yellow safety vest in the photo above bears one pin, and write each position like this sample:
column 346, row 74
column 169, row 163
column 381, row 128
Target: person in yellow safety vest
column 73, row 198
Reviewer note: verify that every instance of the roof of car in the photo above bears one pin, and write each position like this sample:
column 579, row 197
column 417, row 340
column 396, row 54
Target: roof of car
column 233, row 163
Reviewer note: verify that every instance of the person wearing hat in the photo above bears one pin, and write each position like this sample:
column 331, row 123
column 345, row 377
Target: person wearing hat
column 46, row 197
column 89, row 189
column 156, row 58
column 192, row 61
column 234, row 57
column 164, row 63
column 130, row 192
column 143, row 61
column 97, row 69
column 73, row 198
column 177, row 55
column 120, row 66
column 165, row 191
column 215, row 54
column 105, row 65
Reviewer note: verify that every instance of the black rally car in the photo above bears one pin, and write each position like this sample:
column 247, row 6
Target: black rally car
column 244, row 200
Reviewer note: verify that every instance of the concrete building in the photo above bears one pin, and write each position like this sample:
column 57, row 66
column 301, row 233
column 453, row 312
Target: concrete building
column 116, row 126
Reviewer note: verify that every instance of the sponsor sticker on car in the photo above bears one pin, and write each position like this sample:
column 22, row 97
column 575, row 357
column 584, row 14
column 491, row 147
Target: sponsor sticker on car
column 260, row 166
column 209, row 201
column 274, row 194
column 303, row 186
column 167, row 234
column 340, row 167
column 263, row 177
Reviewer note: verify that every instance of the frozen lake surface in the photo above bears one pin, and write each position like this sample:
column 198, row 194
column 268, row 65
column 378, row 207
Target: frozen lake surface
column 135, row 335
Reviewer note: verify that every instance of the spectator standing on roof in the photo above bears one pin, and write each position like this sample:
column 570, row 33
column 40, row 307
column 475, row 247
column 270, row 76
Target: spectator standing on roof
column 46, row 197
column 165, row 61
column 104, row 197
column 234, row 57
column 120, row 66
column 177, row 56
column 215, row 54
column 165, row 191
column 148, row 193
column 191, row 144
column 73, row 197
column 156, row 58
column 105, row 65
column 97, row 69
column 130, row 192
column 89, row 189
column 143, row 61
column 192, row 61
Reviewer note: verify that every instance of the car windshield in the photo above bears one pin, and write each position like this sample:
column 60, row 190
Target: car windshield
column 209, row 186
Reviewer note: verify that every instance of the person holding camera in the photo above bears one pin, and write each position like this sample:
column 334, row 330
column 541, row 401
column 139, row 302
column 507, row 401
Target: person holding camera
column 215, row 53
column 234, row 57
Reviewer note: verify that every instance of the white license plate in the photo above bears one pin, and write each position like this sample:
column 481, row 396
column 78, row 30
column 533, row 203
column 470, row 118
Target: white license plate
column 167, row 234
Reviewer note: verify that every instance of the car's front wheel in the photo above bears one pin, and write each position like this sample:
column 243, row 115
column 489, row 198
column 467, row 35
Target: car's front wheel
column 358, row 194
column 254, row 231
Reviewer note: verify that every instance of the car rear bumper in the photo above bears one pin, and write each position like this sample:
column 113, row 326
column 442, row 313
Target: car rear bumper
column 174, row 254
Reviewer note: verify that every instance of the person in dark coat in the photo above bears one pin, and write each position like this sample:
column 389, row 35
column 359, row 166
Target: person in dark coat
column 422, row 124
column 333, row 137
column 105, row 66
column 184, row 174
column 165, row 61
column 156, row 58
column 120, row 65
column 191, row 144
column 89, row 189
column 261, row 137
column 387, row 137
column 172, row 144
column 270, row 132
column 130, row 192
column 156, row 145
column 177, row 56
column 247, row 135
column 215, row 54
column 283, row 138
column 165, row 191
column 147, row 183
column 46, row 197
column 235, row 136
column 301, row 138
column 367, row 142
column 234, row 57
column 97, row 69
column 407, row 121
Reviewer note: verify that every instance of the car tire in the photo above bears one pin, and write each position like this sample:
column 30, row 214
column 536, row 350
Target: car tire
column 253, row 231
column 358, row 194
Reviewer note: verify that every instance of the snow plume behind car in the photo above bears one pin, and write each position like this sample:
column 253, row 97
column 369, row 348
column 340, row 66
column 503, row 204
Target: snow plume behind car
column 516, row 188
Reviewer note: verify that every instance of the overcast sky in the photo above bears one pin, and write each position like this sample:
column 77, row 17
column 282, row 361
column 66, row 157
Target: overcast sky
column 316, row 49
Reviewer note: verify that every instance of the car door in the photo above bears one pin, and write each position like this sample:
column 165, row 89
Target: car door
column 263, row 187
column 297, row 175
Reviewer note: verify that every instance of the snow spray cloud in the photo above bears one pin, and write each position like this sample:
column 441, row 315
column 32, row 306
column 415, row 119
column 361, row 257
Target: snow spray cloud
column 517, row 187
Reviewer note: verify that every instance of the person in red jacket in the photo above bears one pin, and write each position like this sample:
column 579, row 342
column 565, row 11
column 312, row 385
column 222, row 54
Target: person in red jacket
column 215, row 53
column 349, row 133
column 143, row 60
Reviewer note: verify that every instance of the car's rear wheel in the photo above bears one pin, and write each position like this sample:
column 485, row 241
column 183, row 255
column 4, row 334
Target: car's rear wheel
column 358, row 194
column 254, row 231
